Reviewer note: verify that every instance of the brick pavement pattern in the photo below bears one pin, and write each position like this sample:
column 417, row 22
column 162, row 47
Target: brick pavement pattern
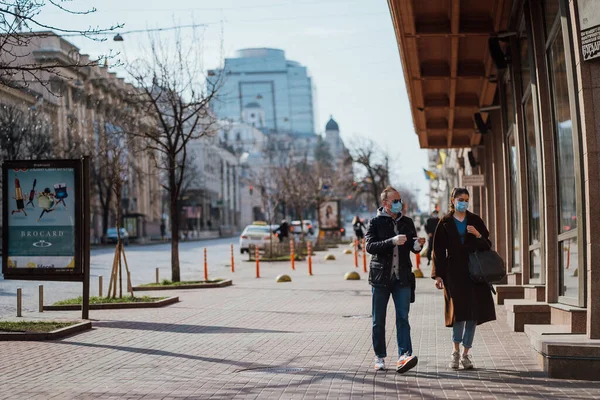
column 308, row 339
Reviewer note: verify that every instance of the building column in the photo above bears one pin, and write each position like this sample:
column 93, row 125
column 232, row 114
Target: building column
column 588, row 97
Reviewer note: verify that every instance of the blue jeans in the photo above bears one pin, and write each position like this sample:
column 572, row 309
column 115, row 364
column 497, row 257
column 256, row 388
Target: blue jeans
column 464, row 332
column 401, row 296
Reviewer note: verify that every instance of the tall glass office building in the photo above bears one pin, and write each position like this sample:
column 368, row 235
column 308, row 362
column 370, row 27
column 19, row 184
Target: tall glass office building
column 282, row 88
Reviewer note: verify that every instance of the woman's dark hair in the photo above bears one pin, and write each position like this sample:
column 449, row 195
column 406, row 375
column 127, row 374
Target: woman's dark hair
column 455, row 193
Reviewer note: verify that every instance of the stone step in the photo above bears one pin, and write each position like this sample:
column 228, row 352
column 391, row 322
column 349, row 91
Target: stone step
column 574, row 317
column 504, row 292
column 514, row 278
column 522, row 312
column 535, row 292
column 566, row 356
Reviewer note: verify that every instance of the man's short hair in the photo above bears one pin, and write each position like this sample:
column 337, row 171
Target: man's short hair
column 385, row 192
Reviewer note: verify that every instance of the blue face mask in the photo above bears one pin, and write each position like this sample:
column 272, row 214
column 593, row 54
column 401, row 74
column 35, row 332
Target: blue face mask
column 461, row 206
column 397, row 207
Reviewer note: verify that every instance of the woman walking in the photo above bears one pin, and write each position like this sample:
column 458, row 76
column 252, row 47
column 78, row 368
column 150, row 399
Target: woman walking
column 467, row 304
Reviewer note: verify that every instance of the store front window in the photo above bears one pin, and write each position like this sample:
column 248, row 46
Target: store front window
column 514, row 205
column 556, row 53
column 533, row 184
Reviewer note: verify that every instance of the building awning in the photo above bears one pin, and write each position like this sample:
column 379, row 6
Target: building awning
column 448, row 70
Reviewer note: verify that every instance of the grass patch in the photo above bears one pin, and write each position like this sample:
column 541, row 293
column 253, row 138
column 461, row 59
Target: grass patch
column 166, row 282
column 105, row 300
column 33, row 326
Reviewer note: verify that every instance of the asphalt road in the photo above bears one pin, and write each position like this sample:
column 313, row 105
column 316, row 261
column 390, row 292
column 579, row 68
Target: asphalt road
column 143, row 261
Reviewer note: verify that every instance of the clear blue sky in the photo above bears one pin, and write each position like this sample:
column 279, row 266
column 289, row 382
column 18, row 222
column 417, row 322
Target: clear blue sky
column 349, row 47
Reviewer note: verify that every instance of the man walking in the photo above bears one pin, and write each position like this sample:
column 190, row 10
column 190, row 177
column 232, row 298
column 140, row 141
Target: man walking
column 283, row 230
column 391, row 237
column 430, row 227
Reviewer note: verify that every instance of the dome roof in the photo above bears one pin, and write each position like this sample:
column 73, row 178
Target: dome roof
column 252, row 105
column 332, row 125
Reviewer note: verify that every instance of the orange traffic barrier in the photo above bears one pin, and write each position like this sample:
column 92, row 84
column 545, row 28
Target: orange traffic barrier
column 257, row 256
column 232, row 260
column 309, row 251
column 356, row 253
column 292, row 255
column 364, row 250
column 205, row 265
column 418, row 257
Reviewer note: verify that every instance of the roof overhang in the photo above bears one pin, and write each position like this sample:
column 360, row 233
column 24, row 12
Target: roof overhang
column 447, row 67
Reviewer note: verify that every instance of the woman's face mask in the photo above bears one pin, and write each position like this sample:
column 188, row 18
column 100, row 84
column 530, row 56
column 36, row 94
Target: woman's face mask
column 396, row 207
column 461, row 206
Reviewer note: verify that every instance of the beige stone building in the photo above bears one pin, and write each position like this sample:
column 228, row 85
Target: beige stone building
column 81, row 103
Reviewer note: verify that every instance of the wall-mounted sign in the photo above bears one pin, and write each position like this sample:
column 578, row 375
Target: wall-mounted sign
column 589, row 25
column 473, row 180
column 43, row 220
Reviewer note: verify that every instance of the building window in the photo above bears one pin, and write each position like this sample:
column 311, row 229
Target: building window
column 533, row 185
column 571, row 278
column 514, row 204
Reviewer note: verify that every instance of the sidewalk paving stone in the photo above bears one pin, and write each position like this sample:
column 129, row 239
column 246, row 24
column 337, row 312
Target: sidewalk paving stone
column 259, row 339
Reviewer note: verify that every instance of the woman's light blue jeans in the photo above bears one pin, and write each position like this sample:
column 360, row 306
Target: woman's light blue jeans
column 464, row 332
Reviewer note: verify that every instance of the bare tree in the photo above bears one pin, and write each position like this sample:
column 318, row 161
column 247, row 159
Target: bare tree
column 22, row 23
column 373, row 168
column 175, row 91
column 24, row 133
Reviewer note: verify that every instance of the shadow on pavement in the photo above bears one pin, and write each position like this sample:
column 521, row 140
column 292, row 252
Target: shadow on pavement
column 181, row 328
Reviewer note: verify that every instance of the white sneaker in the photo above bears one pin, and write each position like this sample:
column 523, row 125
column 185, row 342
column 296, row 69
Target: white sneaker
column 466, row 361
column 379, row 363
column 454, row 360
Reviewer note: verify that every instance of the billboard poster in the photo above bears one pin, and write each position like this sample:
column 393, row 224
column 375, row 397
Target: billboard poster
column 42, row 220
column 329, row 215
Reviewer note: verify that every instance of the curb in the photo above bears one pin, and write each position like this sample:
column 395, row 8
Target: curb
column 57, row 334
column 115, row 306
column 224, row 283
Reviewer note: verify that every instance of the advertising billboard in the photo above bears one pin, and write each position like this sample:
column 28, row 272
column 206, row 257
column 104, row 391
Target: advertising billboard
column 329, row 215
column 42, row 230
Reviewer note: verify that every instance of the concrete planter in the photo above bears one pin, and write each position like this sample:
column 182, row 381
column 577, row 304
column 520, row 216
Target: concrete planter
column 116, row 306
column 53, row 335
column 224, row 283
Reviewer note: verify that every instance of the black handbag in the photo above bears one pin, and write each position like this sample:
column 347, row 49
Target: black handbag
column 486, row 267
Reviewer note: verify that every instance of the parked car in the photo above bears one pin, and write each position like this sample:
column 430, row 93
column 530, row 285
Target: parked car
column 111, row 236
column 259, row 235
column 307, row 227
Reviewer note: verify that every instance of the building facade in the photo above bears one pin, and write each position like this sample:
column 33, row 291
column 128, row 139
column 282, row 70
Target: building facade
column 264, row 78
column 509, row 89
column 80, row 104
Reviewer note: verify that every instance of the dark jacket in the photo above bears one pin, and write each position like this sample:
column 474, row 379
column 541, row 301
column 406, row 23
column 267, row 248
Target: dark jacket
column 283, row 229
column 379, row 243
column 431, row 224
column 464, row 299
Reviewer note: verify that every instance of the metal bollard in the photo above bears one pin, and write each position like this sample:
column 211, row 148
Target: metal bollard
column 355, row 253
column 257, row 256
column 129, row 288
column 205, row 265
column 232, row 260
column 19, row 302
column 157, row 277
column 41, row 292
column 292, row 255
column 100, row 286
column 309, row 251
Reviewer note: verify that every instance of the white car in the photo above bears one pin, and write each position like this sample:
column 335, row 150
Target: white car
column 307, row 227
column 259, row 235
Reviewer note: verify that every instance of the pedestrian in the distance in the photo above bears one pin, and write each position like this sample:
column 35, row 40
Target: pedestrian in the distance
column 467, row 304
column 430, row 230
column 358, row 227
column 391, row 237
column 283, row 230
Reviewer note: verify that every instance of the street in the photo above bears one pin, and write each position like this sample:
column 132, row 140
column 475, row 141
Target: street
column 143, row 261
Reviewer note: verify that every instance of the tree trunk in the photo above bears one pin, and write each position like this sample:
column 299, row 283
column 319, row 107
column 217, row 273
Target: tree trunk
column 105, row 216
column 175, row 271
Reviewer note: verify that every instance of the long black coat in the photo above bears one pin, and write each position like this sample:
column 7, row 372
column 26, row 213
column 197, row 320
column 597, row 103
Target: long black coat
column 465, row 300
